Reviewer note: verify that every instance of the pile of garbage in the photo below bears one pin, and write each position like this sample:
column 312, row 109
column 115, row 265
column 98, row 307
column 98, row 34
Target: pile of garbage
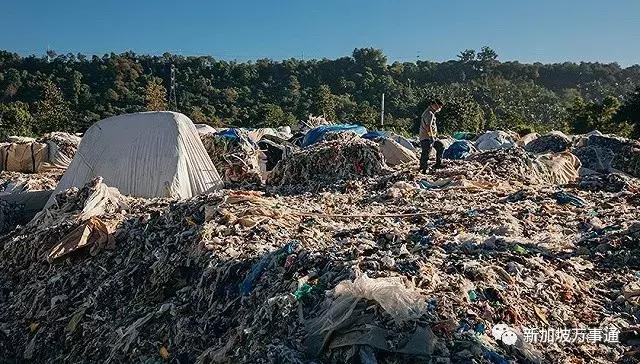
column 495, row 139
column 16, row 182
column 605, row 154
column 362, row 275
column 9, row 213
column 235, row 156
column 553, row 142
column 396, row 267
column 517, row 165
column 62, row 147
column 340, row 157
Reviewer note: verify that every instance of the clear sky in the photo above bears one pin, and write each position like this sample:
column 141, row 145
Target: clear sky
column 528, row 31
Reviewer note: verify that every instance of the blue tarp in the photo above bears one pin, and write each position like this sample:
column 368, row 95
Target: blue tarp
column 458, row 150
column 317, row 134
column 463, row 135
column 231, row 133
column 375, row 134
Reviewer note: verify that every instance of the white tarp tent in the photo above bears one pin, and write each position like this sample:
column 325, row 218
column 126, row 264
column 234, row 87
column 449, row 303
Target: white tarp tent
column 149, row 154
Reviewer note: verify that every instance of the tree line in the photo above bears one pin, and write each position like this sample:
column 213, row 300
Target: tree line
column 69, row 92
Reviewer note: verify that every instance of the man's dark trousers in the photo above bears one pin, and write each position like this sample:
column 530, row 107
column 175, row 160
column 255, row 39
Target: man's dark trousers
column 426, row 145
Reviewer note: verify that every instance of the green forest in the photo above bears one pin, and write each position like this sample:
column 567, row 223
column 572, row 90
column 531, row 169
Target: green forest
column 69, row 92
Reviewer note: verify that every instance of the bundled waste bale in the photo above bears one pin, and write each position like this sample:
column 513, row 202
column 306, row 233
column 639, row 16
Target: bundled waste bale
column 343, row 156
column 555, row 141
column 495, row 139
column 49, row 152
column 275, row 149
column 235, row 157
column 608, row 153
column 395, row 154
column 149, row 154
column 24, row 155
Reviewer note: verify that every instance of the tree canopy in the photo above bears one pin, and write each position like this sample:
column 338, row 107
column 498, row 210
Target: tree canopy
column 70, row 92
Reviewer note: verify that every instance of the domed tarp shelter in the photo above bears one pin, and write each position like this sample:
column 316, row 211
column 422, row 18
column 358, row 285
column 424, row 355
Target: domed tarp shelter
column 149, row 154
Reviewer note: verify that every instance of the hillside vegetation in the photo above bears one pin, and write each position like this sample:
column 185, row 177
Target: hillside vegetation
column 70, row 92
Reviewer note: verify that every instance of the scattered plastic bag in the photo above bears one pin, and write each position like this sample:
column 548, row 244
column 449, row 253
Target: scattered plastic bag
column 402, row 302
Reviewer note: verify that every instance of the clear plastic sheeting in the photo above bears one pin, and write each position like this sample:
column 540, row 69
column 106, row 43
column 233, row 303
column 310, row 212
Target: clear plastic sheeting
column 345, row 323
column 392, row 294
column 150, row 154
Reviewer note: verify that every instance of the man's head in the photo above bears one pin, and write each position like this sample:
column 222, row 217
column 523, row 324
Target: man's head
column 436, row 105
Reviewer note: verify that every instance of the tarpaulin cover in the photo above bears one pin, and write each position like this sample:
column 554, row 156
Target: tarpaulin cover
column 460, row 149
column 150, row 154
column 317, row 134
column 231, row 133
column 403, row 141
column 495, row 139
column 374, row 134
column 205, row 129
column 463, row 135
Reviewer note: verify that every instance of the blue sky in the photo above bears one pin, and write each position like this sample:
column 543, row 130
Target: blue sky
column 528, row 31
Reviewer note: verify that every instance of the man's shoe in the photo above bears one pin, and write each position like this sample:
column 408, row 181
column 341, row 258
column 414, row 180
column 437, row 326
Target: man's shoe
column 438, row 166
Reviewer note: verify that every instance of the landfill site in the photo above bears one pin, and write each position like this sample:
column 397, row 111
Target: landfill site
column 152, row 239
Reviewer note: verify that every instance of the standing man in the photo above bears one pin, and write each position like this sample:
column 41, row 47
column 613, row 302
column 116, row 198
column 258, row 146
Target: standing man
column 429, row 136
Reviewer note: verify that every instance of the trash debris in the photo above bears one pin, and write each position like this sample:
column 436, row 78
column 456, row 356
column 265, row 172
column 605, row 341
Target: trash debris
column 567, row 198
column 553, row 142
column 395, row 154
column 319, row 133
column 341, row 157
column 606, row 154
column 365, row 262
column 234, row 155
column 27, row 155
